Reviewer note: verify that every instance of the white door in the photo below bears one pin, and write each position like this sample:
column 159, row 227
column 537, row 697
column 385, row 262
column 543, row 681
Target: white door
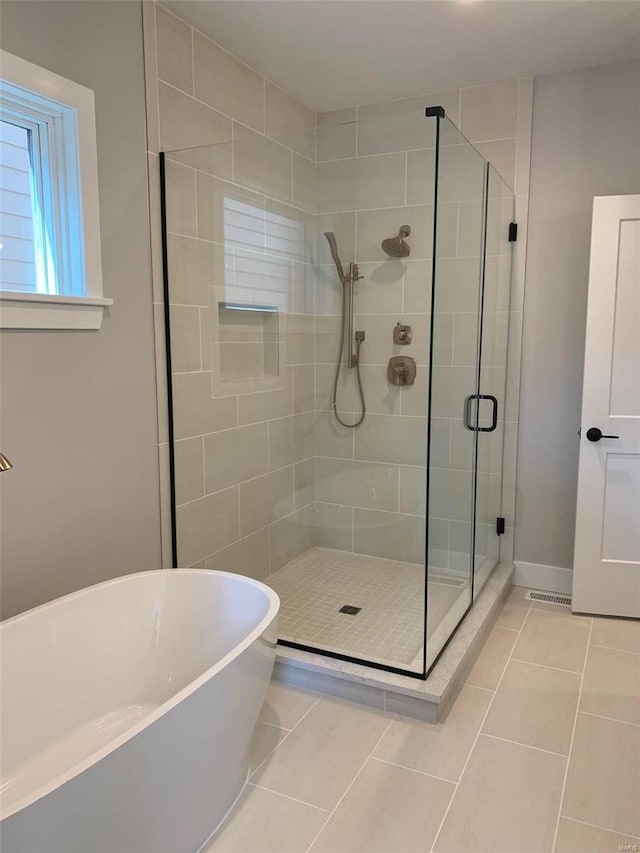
column 606, row 567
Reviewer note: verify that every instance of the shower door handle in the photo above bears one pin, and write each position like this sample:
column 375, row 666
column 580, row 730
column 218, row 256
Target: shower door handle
column 467, row 412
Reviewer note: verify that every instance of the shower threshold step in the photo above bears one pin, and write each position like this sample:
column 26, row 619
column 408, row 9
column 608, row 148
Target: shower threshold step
column 426, row 700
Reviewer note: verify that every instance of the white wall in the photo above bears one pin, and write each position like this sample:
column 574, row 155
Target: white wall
column 585, row 142
column 78, row 408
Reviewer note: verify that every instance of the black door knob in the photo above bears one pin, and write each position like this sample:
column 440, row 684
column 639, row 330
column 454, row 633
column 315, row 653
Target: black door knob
column 595, row 434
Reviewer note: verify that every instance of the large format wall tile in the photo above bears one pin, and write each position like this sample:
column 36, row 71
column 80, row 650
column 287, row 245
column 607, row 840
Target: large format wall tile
column 361, row 183
column 389, row 534
column 207, row 525
column 248, row 556
column 185, row 337
column 263, row 166
column 334, row 526
column 489, row 112
column 194, row 267
column 361, row 484
column 195, row 411
column 227, row 84
column 266, row 499
column 402, row 125
column 175, row 59
column 291, row 439
column 336, row 135
column 386, row 438
column 235, row 455
column 180, row 182
column 290, row 537
column 187, row 123
column 288, row 121
column 189, row 469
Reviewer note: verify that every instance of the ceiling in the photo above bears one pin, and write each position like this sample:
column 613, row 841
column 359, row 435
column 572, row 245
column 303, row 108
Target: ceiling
column 338, row 53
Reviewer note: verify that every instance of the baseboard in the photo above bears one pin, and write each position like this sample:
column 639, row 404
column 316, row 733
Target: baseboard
column 547, row 578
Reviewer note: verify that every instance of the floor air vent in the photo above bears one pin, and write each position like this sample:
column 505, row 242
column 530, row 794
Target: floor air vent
column 548, row 597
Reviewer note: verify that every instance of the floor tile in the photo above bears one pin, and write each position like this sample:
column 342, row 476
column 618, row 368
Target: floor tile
column 611, row 686
column 440, row 749
column 320, row 758
column 265, row 739
column 517, row 596
column 387, row 809
column 488, row 667
column 574, row 837
column 535, row 705
column 623, row 634
column 553, row 639
column 603, row 783
column 507, row 801
column 513, row 613
column 285, row 706
column 264, row 822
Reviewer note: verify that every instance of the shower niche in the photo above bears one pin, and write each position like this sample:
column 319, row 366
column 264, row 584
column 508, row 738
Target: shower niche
column 247, row 341
column 320, row 371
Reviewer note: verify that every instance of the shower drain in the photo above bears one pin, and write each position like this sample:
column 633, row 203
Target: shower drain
column 350, row 610
column 547, row 597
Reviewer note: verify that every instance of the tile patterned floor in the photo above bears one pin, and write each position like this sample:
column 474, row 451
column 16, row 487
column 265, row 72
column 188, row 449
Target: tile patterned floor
column 314, row 586
column 539, row 754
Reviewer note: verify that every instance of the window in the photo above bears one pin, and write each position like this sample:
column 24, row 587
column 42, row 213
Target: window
column 50, row 264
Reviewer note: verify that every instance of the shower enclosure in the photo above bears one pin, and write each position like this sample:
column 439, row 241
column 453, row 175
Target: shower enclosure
column 379, row 534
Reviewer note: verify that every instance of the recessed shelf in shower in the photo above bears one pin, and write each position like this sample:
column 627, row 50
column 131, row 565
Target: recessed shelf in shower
column 248, row 336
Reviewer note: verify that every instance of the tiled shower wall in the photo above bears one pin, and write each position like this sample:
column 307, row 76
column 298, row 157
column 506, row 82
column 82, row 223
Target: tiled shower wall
column 239, row 235
column 264, row 471
column 373, row 176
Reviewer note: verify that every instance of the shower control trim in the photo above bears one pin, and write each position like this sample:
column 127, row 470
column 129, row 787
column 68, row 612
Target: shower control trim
column 401, row 370
column 402, row 334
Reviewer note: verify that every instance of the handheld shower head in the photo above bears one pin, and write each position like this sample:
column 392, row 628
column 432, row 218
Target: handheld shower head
column 333, row 246
column 396, row 247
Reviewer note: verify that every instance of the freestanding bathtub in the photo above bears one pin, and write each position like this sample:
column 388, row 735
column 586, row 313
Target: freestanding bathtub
column 127, row 712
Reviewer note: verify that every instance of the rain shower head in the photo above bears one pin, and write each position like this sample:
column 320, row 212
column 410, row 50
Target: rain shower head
column 396, row 247
column 333, row 246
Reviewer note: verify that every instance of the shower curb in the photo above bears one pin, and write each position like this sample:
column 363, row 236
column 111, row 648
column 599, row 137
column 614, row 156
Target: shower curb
column 399, row 694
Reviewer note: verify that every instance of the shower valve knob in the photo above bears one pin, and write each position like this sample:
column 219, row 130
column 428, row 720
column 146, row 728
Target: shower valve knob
column 402, row 334
column 401, row 370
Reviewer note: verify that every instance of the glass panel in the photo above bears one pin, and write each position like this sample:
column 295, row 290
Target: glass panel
column 268, row 482
column 455, row 323
column 495, row 331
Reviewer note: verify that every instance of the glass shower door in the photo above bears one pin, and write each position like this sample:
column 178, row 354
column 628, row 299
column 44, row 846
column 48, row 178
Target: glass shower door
column 494, row 426
column 454, row 382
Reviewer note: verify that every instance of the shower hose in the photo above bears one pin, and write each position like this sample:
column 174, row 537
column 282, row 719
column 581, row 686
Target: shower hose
column 336, row 377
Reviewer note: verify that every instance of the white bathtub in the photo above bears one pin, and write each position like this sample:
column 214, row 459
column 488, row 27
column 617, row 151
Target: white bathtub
column 127, row 712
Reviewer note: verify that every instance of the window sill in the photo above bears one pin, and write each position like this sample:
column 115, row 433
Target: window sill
column 40, row 311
